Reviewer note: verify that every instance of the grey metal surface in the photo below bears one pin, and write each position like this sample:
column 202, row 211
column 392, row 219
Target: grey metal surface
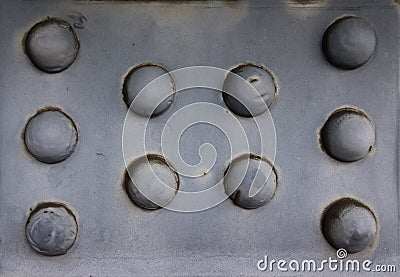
column 116, row 237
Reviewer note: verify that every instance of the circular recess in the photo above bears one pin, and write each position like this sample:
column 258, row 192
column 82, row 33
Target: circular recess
column 348, row 135
column 349, row 42
column 245, row 102
column 51, row 229
column 51, row 136
column 349, row 224
column 155, row 97
column 150, row 182
column 250, row 181
column 52, row 45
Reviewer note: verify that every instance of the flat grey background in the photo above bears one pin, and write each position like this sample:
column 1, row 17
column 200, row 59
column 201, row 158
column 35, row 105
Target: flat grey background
column 115, row 237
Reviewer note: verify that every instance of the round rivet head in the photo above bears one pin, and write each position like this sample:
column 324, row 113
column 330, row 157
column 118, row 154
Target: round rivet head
column 51, row 136
column 250, row 181
column 249, row 102
column 348, row 135
column 150, row 182
column 52, row 45
column 151, row 98
column 349, row 224
column 51, row 229
column 349, row 42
